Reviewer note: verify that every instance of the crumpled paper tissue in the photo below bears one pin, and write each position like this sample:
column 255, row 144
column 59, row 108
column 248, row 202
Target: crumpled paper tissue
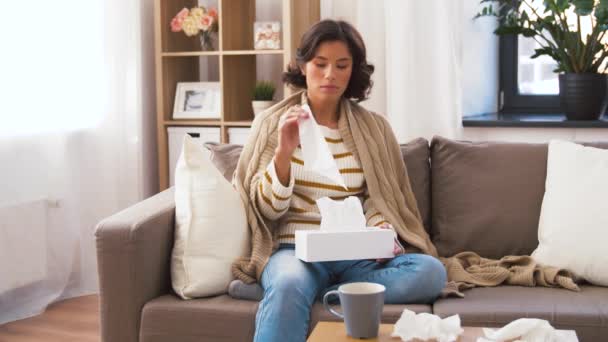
column 427, row 326
column 315, row 151
column 346, row 215
column 528, row 330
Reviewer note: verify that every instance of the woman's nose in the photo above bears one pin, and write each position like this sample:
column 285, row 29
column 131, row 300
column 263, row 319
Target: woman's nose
column 329, row 73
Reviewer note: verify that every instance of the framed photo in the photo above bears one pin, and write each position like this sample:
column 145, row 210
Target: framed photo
column 197, row 100
column 267, row 35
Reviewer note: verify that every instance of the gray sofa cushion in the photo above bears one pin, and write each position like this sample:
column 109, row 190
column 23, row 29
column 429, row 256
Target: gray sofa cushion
column 585, row 311
column 221, row 318
column 486, row 196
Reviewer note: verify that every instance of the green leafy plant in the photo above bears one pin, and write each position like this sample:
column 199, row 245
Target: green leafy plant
column 548, row 25
column 263, row 91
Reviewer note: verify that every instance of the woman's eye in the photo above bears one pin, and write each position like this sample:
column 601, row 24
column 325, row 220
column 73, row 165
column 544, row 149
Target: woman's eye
column 324, row 65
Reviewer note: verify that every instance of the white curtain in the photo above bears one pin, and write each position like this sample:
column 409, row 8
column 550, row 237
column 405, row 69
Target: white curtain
column 434, row 64
column 77, row 140
column 423, row 54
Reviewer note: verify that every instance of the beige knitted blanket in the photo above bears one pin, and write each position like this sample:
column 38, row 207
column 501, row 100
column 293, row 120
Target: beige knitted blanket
column 372, row 141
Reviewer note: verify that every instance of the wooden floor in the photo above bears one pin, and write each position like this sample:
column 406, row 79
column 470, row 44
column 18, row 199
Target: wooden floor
column 72, row 320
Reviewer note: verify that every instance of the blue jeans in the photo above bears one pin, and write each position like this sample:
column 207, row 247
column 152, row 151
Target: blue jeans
column 291, row 286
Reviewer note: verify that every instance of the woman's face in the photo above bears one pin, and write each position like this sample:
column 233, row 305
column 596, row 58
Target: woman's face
column 328, row 72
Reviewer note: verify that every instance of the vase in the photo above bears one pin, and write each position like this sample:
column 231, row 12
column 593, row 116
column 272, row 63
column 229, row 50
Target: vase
column 208, row 41
column 583, row 96
column 260, row 106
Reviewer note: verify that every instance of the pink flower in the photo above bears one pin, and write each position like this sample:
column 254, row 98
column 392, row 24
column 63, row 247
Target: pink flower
column 176, row 25
column 206, row 22
column 183, row 14
column 177, row 21
column 213, row 13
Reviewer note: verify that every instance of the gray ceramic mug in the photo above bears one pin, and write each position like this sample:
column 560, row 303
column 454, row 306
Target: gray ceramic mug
column 362, row 305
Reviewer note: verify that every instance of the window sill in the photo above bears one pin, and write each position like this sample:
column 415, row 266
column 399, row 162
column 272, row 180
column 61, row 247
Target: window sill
column 530, row 120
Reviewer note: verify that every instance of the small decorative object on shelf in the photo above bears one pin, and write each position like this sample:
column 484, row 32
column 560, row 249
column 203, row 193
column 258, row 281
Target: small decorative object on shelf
column 200, row 21
column 263, row 96
column 267, row 35
column 197, row 100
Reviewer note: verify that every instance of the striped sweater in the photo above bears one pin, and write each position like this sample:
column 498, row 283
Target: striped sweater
column 295, row 205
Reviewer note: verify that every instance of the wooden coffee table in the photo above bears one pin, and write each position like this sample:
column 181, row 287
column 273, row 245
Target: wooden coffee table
column 336, row 331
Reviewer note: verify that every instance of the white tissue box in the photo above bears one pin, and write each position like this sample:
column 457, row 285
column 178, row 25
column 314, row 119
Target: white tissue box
column 319, row 245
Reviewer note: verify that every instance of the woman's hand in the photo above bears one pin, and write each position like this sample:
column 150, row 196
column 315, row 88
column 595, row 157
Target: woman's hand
column 289, row 139
column 397, row 249
column 289, row 133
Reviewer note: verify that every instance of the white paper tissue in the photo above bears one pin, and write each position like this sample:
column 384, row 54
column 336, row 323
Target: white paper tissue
column 528, row 329
column 346, row 215
column 427, row 326
column 315, row 151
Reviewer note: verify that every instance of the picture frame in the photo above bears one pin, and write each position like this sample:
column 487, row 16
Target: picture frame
column 197, row 100
column 267, row 35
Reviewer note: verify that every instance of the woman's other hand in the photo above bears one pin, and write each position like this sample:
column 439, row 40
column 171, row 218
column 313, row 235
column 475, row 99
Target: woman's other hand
column 397, row 249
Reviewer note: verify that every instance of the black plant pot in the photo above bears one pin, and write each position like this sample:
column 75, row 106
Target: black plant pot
column 583, row 96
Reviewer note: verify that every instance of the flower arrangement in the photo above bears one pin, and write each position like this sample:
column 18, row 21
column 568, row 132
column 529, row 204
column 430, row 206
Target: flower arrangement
column 197, row 21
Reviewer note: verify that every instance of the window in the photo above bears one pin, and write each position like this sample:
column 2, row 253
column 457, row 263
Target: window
column 526, row 85
column 51, row 66
column 529, row 86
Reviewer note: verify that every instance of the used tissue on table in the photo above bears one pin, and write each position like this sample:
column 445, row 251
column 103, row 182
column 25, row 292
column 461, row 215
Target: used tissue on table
column 315, row 151
column 343, row 235
column 528, row 329
column 426, row 326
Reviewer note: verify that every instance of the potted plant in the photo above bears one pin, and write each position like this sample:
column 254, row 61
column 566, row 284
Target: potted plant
column 263, row 96
column 582, row 84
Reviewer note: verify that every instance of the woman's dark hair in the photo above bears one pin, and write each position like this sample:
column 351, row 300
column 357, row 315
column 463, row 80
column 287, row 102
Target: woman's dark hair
column 360, row 83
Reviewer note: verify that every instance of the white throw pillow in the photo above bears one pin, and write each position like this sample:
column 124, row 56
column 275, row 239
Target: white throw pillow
column 573, row 226
column 211, row 226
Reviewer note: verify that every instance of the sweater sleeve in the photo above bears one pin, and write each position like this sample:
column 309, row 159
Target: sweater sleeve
column 373, row 217
column 273, row 197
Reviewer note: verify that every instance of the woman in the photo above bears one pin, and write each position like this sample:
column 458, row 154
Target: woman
column 280, row 195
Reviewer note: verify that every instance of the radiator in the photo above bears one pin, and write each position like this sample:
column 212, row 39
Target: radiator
column 23, row 244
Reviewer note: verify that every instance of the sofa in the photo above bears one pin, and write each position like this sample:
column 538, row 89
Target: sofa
column 473, row 196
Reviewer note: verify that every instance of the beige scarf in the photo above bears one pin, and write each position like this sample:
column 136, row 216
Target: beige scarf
column 373, row 143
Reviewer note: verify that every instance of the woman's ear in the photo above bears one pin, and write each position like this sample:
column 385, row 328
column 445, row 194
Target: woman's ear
column 302, row 70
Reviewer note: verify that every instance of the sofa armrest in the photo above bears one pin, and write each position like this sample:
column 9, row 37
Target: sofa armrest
column 133, row 263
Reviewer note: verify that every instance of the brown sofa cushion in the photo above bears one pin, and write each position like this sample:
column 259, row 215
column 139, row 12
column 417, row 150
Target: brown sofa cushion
column 415, row 154
column 486, row 196
column 221, row 318
column 225, row 157
column 583, row 311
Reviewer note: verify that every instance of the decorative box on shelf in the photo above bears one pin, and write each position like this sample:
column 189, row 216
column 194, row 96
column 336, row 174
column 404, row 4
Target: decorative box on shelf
column 238, row 135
